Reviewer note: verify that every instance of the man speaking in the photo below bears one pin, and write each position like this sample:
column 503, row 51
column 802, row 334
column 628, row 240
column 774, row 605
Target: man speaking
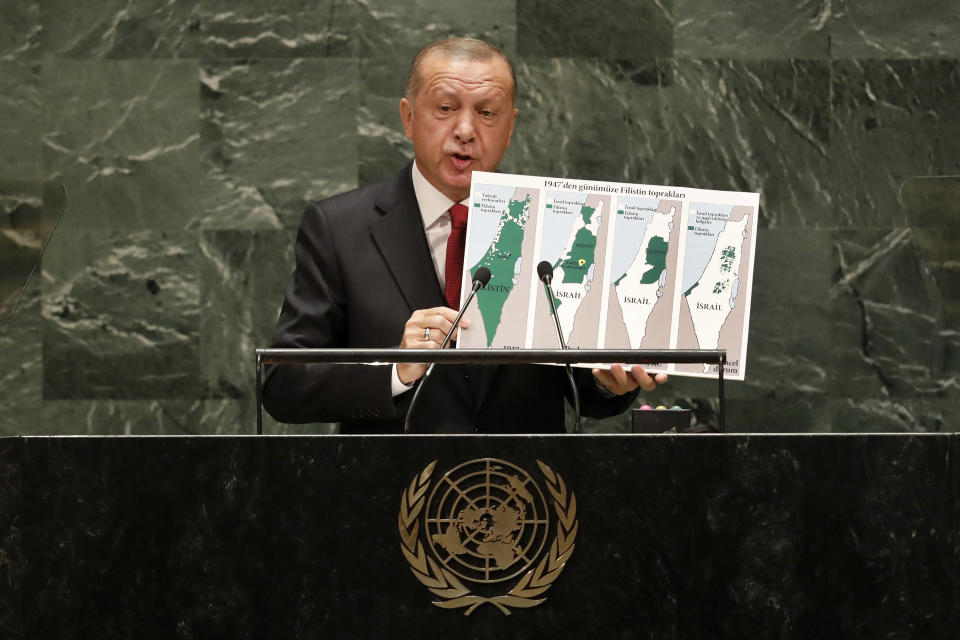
column 380, row 267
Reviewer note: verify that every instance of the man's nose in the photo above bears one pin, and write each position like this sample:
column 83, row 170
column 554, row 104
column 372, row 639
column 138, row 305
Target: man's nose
column 464, row 130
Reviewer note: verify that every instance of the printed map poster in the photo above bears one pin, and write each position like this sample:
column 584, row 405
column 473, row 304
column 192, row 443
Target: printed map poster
column 635, row 267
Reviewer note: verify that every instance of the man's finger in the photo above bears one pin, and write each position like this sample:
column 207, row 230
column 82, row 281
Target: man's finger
column 619, row 379
column 426, row 328
column 608, row 381
column 619, row 375
column 646, row 382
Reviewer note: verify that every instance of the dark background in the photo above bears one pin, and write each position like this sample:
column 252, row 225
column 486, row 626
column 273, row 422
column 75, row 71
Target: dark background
column 190, row 135
column 679, row 538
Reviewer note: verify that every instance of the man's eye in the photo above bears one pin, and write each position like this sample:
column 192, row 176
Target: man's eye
column 446, row 108
column 487, row 113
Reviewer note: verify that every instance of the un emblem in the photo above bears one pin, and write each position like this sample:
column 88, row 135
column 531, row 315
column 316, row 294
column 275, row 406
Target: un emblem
column 487, row 523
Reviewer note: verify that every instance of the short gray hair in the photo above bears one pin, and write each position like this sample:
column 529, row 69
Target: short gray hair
column 458, row 49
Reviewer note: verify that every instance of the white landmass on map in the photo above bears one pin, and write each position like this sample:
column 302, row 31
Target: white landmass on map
column 714, row 297
column 637, row 300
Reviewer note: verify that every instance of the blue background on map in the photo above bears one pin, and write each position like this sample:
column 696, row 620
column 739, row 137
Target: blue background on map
column 556, row 228
column 482, row 228
column 629, row 235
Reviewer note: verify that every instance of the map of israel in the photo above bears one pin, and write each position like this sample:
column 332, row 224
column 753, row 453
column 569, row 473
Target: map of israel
column 648, row 233
column 572, row 241
column 634, row 267
column 713, row 269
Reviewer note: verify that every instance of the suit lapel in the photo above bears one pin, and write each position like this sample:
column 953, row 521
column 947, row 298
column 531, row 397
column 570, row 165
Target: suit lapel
column 400, row 238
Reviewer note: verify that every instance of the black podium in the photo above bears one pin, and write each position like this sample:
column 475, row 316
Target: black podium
column 716, row 536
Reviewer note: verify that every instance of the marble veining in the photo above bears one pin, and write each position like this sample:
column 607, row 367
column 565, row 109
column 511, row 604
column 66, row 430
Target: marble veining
column 190, row 136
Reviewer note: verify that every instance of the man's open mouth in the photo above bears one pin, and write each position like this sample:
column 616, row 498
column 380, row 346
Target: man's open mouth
column 461, row 161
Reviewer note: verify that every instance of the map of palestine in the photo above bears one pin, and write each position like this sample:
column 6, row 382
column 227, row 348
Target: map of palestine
column 635, row 267
column 499, row 221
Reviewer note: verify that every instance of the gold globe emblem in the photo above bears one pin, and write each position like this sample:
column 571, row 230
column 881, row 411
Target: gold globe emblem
column 486, row 522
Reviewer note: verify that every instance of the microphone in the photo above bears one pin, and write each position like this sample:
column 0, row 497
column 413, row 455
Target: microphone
column 480, row 280
column 545, row 272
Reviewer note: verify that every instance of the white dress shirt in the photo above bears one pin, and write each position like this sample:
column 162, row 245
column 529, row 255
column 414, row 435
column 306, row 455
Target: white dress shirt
column 435, row 211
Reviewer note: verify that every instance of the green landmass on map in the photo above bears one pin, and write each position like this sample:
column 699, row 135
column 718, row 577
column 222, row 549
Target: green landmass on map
column 727, row 256
column 501, row 258
column 587, row 213
column 556, row 301
column 656, row 258
column 576, row 263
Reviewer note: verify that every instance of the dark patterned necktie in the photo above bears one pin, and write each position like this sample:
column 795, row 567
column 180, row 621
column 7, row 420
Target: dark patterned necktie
column 455, row 246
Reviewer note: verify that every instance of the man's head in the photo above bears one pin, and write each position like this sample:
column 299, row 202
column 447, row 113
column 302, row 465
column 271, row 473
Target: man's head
column 459, row 110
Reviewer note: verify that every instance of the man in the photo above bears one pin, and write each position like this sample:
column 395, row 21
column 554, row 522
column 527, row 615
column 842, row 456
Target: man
column 372, row 268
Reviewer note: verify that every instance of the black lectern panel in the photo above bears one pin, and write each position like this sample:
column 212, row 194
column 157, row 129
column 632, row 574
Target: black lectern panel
column 300, row 537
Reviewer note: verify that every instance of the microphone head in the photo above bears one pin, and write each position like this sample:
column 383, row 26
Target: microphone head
column 482, row 276
column 545, row 271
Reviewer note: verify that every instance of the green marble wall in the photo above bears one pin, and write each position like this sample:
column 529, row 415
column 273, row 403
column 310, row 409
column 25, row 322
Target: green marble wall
column 190, row 135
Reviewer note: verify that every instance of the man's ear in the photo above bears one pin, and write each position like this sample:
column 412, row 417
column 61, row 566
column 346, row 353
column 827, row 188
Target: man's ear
column 406, row 117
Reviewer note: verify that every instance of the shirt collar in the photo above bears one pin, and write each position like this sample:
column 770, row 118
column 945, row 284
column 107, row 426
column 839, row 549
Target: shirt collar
column 433, row 204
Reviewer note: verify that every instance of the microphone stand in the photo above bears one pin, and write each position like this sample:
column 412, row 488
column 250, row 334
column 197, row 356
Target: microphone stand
column 547, row 277
column 480, row 280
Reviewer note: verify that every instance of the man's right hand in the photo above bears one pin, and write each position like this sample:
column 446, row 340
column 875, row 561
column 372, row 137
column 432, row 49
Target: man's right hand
column 426, row 329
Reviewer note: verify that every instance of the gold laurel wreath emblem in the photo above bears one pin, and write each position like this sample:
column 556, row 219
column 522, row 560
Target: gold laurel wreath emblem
column 444, row 584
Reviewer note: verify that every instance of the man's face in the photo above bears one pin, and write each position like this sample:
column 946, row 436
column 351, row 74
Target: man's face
column 460, row 121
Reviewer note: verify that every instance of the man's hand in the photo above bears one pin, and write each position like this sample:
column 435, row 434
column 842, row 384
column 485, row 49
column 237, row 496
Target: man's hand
column 619, row 381
column 426, row 329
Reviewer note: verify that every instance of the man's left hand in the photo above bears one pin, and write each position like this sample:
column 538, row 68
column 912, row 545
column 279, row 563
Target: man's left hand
column 619, row 380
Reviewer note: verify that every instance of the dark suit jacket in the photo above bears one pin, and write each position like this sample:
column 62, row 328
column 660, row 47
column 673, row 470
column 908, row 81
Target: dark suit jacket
column 363, row 266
